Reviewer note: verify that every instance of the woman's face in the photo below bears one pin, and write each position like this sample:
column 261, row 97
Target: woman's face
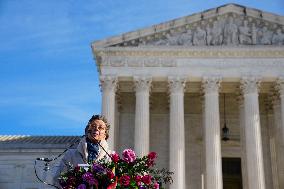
column 97, row 131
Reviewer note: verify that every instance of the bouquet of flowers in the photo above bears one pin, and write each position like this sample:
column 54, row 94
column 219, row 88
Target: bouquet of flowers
column 128, row 172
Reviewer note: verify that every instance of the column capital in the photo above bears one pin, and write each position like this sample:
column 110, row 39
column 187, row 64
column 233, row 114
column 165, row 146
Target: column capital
column 240, row 99
column 269, row 102
column 142, row 83
column 176, row 84
column 280, row 85
column 108, row 82
column 274, row 99
column 250, row 84
column 211, row 84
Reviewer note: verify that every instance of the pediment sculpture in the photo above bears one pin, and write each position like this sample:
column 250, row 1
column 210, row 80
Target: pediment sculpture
column 226, row 30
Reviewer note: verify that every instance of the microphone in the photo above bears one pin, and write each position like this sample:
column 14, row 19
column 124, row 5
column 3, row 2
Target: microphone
column 44, row 159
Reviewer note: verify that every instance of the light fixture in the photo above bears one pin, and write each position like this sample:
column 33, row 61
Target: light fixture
column 225, row 129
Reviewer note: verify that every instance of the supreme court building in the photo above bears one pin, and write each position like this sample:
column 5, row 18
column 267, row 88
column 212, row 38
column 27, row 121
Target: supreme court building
column 172, row 88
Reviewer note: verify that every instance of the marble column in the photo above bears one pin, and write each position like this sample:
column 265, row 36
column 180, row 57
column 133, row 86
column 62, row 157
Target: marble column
column 254, row 155
column 280, row 88
column 108, row 88
column 272, row 117
column 177, row 146
column 142, row 117
column 203, row 154
column 242, row 141
column 277, row 139
column 213, row 156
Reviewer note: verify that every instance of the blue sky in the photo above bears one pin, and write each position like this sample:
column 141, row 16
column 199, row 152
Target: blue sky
column 48, row 78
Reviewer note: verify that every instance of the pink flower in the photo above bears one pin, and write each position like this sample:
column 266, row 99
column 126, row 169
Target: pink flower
column 82, row 186
column 151, row 159
column 129, row 155
column 125, row 180
column 156, row 186
column 147, row 179
column 115, row 157
column 110, row 174
column 137, row 179
column 152, row 155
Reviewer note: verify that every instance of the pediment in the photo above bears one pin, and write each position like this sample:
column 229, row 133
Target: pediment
column 230, row 24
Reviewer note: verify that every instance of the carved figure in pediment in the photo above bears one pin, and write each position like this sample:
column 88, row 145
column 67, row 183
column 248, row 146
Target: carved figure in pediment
column 266, row 36
column 254, row 34
column 245, row 34
column 185, row 38
column 172, row 39
column 199, row 36
column 231, row 33
column 167, row 40
column 209, row 35
column 157, row 42
column 278, row 37
column 217, row 34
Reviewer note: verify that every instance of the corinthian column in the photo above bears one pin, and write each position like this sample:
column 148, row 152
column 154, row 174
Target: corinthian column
column 274, row 140
column 142, row 118
column 108, row 88
column 280, row 87
column 242, row 141
column 254, row 156
column 213, row 157
column 177, row 163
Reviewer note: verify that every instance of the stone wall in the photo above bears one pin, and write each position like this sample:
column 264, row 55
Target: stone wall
column 17, row 168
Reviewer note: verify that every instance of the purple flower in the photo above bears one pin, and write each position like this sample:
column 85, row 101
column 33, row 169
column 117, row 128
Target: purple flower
column 82, row 186
column 97, row 168
column 89, row 178
column 129, row 155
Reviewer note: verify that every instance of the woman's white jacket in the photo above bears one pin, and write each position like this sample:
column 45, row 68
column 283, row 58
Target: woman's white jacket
column 78, row 156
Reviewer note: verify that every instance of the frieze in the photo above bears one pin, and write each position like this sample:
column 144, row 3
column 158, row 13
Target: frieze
column 230, row 63
column 219, row 63
column 139, row 62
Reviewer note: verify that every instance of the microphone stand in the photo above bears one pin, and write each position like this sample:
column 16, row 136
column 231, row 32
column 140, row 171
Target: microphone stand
column 47, row 161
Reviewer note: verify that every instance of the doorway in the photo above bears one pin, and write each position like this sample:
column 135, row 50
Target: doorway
column 232, row 173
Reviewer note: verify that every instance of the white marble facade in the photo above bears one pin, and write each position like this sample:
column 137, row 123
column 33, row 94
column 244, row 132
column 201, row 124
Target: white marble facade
column 169, row 85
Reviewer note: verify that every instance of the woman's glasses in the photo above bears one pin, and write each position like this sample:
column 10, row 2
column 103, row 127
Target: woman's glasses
column 96, row 127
